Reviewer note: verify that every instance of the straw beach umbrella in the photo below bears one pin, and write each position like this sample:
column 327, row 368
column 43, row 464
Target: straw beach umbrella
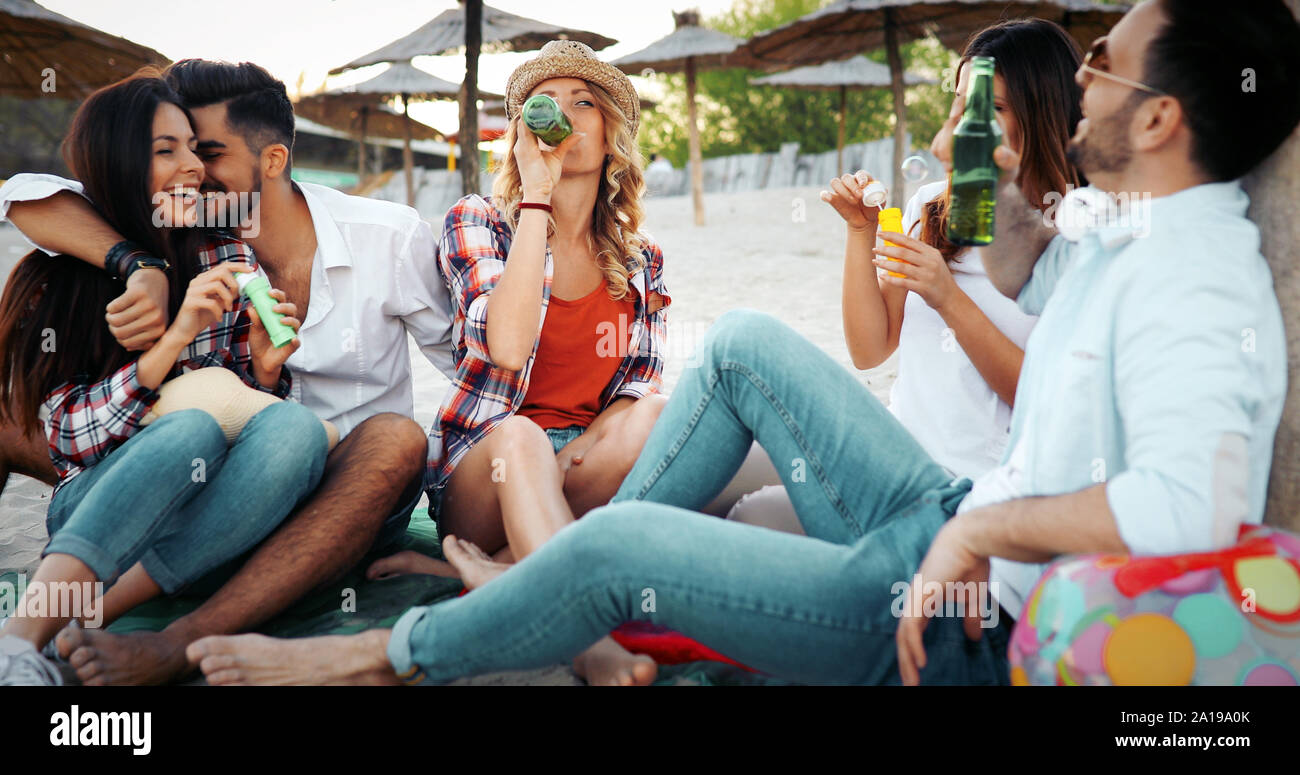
column 474, row 26
column 854, row 73
column 688, row 49
column 401, row 80
column 850, row 27
column 365, row 120
column 34, row 41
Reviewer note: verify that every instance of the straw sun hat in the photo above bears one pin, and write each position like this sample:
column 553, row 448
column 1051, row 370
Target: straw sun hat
column 572, row 59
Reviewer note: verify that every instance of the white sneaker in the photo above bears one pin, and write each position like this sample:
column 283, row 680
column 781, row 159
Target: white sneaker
column 22, row 665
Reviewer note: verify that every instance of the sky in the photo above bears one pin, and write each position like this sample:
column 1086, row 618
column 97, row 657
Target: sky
column 306, row 38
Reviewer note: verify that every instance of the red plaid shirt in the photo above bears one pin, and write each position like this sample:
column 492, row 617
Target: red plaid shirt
column 472, row 255
column 87, row 421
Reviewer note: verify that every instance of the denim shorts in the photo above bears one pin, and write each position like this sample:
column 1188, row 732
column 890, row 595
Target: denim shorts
column 559, row 437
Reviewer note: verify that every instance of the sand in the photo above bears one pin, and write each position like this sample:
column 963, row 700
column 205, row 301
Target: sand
column 778, row 250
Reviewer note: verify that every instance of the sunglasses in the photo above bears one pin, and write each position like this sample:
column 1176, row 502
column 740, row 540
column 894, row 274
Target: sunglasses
column 1097, row 63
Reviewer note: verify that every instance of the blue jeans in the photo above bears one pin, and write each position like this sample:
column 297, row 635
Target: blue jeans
column 817, row 608
column 176, row 499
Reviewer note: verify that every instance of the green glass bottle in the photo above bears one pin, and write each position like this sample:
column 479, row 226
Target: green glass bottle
column 543, row 116
column 972, row 184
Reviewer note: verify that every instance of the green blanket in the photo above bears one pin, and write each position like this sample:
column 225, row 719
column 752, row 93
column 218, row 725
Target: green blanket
column 355, row 604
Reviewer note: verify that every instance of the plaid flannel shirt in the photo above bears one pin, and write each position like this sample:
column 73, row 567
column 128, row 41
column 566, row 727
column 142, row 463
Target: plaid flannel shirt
column 87, row 421
column 471, row 256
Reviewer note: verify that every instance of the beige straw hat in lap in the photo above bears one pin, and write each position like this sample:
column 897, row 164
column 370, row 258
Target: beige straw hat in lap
column 571, row 59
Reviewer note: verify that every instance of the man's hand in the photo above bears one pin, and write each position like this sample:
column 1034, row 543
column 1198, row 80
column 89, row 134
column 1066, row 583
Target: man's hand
column 950, row 559
column 267, row 358
column 138, row 318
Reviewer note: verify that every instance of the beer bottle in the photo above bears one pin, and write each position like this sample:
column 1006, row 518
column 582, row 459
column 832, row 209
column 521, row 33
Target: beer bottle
column 972, row 184
column 544, row 118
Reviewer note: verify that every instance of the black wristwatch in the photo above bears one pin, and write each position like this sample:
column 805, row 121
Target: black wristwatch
column 124, row 258
column 141, row 262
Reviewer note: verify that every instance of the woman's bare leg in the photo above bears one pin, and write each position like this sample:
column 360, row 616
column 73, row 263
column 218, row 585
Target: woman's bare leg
column 507, row 490
column 592, row 480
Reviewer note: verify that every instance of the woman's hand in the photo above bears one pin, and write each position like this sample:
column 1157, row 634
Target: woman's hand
column 267, row 358
column 539, row 171
column 846, row 197
column 138, row 317
column 924, row 270
column 208, row 297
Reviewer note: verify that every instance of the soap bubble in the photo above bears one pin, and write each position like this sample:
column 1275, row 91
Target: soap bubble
column 915, row 168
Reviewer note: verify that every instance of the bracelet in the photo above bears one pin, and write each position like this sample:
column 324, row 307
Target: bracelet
column 535, row 206
column 115, row 260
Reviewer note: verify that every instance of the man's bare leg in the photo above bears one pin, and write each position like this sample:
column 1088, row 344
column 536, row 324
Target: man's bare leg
column 328, row 534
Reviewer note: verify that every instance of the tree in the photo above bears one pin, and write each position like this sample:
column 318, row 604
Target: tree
column 737, row 117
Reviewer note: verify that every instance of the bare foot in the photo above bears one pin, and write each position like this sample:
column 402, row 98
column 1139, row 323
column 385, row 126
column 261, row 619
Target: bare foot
column 256, row 660
column 402, row 563
column 139, row 658
column 476, row 568
column 608, row 664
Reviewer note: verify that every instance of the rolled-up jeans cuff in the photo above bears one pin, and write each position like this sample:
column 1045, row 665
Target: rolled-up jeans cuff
column 100, row 562
column 162, row 575
column 399, row 647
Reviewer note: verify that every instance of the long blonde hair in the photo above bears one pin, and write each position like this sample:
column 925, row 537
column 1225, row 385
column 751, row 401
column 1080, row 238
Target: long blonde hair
column 616, row 220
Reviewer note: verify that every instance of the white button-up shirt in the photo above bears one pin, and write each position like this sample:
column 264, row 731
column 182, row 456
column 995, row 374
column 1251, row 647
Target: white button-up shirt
column 374, row 279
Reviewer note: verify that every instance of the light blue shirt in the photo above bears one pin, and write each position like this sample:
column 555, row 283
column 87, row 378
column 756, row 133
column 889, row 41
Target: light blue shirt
column 1158, row 366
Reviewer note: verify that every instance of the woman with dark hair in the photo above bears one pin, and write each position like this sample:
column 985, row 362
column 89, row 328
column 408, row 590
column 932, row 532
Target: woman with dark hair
column 145, row 509
column 960, row 342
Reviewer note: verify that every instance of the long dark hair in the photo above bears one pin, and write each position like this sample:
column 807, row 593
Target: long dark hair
column 1037, row 61
column 52, row 327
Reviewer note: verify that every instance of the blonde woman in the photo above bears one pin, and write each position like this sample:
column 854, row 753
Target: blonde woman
column 559, row 329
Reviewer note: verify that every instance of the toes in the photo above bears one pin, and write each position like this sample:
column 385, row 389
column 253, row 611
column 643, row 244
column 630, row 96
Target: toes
column 204, row 647
column 217, row 664
column 69, row 639
column 473, row 550
column 92, row 673
column 230, row 677
column 81, row 657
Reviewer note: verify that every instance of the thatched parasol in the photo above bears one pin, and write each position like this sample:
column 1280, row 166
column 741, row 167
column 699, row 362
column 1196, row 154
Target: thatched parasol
column 34, row 40
column 401, row 80
column 853, row 73
column 850, row 27
column 474, row 25
column 688, row 49
column 362, row 120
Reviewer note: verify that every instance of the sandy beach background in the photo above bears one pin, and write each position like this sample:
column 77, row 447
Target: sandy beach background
column 775, row 250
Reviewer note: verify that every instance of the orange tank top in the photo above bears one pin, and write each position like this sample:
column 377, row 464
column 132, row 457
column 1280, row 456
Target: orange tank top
column 583, row 342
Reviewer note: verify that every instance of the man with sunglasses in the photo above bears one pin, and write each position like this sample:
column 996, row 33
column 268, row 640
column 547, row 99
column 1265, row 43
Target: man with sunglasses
column 1154, row 384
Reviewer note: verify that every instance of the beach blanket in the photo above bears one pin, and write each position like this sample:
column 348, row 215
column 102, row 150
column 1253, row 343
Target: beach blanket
column 354, row 604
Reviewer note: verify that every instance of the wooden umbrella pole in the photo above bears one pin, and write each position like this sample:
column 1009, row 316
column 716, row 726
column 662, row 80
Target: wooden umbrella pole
column 361, row 150
column 408, row 159
column 900, row 107
column 469, row 173
column 839, row 145
column 697, row 163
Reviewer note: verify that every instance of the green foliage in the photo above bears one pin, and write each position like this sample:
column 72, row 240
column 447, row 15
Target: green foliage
column 33, row 131
column 738, row 117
